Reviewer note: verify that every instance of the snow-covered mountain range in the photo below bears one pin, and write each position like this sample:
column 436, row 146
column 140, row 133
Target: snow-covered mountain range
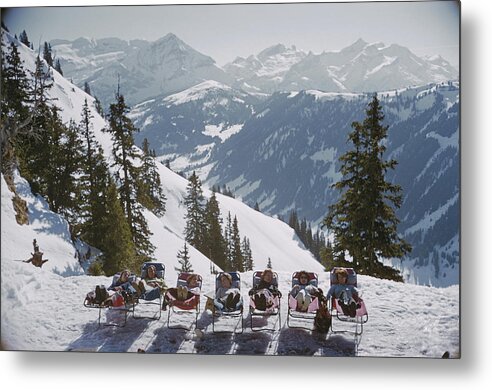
column 169, row 65
column 145, row 69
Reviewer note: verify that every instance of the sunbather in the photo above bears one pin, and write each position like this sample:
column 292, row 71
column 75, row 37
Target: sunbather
column 226, row 297
column 304, row 292
column 183, row 293
column 265, row 291
column 151, row 286
column 346, row 294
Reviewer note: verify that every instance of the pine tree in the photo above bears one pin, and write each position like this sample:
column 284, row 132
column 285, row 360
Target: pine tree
column 98, row 106
column 64, row 169
column 257, row 206
column 87, row 88
column 269, row 263
column 363, row 221
column 58, row 67
column 126, row 157
column 228, row 241
column 247, row 254
column 150, row 193
column 33, row 147
column 116, row 242
column 47, row 55
column 195, row 230
column 24, row 39
column 236, row 253
column 184, row 260
column 215, row 242
column 15, row 117
column 94, row 181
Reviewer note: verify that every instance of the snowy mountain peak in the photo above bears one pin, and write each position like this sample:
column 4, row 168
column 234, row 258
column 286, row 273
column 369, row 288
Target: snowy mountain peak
column 196, row 92
column 357, row 46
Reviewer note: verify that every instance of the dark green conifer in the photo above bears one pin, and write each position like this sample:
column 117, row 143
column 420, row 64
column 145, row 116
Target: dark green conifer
column 126, row 158
column 363, row 221
column 215, row 242
column 195, row 230
column 184, row 260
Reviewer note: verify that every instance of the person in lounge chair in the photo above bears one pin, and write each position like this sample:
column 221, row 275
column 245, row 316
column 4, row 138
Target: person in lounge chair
column 104, row 296
column 183, row 293
column 226, row 297
column 151, row 286
column 346, row 294
column 265, row 291
column 304, row 292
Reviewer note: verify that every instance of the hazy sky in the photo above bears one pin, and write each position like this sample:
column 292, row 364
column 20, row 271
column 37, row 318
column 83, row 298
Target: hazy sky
column 230, row 30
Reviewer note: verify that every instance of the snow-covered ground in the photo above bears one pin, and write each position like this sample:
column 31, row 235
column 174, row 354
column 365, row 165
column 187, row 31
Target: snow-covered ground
column 43, row 311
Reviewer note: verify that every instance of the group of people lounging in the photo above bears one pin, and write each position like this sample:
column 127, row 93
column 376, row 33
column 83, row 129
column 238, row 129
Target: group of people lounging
column 265, row 293
column 124, row 290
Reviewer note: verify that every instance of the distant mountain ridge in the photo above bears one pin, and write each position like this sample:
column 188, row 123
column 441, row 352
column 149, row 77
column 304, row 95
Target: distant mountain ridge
column 145, row 69
column 169, row 65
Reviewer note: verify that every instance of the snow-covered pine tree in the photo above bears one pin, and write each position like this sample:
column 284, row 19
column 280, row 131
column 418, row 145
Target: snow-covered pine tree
column 126, row 158
column 363, row 221
column 215, row 242
column 196, row 229
column 184, row 260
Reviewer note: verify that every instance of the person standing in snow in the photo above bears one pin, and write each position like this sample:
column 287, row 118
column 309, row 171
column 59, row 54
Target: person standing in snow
column 346, row 294
column 36, row 257
column 265, row 291
column 304, row 291
column 226, row 297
